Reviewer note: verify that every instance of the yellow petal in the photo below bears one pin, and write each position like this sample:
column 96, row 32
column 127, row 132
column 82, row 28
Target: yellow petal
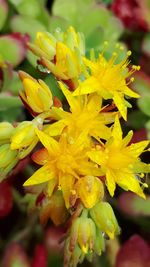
column 88, row 86
column 130, row 93
column 127, row 139
column 96, row 156
column 140, row 167
column 110, row 182
column 74, row 104
column 56, row 128
column 137, row 148
column 50, row 143
column 120, row 104
column 117, row 131
column 90, row 190
column 50, row 186
column 42, row 175
column 128, row 181
column 67, row 186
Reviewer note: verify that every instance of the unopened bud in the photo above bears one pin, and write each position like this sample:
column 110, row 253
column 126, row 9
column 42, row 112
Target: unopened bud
column 104, row 217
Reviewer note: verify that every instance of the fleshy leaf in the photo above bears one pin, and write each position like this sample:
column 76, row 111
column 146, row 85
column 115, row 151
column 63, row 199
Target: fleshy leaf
column 15, row 48
column 3, row 12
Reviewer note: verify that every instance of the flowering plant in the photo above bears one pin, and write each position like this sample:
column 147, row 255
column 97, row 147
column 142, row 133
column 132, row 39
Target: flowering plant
column 83, row 151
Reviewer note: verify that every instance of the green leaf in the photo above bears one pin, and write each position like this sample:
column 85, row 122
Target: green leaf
column 75, row 13
column 141, row 206
column 29, row 8
column 141, row 83
column 3, row 12
column 137, row 119
column 144, row 104
column 146, row 44
column 26, row 24
column 55, row 90
column 7, row 101
column 14, row 51
column 11, row 115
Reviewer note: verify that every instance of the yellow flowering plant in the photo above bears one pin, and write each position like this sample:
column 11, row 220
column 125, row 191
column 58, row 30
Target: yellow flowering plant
column 84, row 154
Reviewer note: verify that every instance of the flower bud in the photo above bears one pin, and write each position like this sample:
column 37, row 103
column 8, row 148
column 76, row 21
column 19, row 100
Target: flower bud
column 60, row 53
column 99, row 244
column 104, row 217
column 36, row 95
column 44, row 45
column 83, row 233
column 8, row 159
column 90, row 190
column 24, row 137
column 6, row 155
column 6, row 130
column 72, row 258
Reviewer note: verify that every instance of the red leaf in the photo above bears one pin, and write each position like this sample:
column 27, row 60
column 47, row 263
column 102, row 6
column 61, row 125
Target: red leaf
column 40, row 257
column 134, row 253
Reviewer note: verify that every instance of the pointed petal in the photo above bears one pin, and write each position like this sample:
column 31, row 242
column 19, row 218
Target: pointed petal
column 110, row 182
column 67, row 185
column 56, row 128
column 94, row 103
column 95, row 156
column 128, row 181
column 88, row 86
column 40, row 156
column 50, row 143
column 137, row 148
column 117, row 131
column 120, row 104
column 130, row 93
column 73, row 103
column 59, row 113
column 50, row 186
column 141, row 167
column 126, row 140
column 42, row 175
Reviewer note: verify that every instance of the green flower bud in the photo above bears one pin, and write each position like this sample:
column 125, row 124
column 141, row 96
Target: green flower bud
column 6, row 130
column 104, row 217
column 72, row 258
column 83, row 233
column 6, row 155
column 99, row 244
column 8, row 159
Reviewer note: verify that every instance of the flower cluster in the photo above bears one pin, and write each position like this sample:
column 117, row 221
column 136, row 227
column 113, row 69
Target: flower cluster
column 84, row 150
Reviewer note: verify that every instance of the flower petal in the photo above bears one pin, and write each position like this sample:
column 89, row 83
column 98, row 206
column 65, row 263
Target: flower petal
column 137, row 148
column 50, row 143
column 90, row 190
column 110, row 182
column 120, row 103
column 90, row 85
column 42, row 175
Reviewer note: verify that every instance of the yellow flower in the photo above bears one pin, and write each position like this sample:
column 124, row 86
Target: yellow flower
column 36, row 95
column 109, row 80
column 61, row 52
column 24, row 137
column 45, row 42
column 119, row 162
column 84, row 115
column 66, row 163
column 67, row 63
